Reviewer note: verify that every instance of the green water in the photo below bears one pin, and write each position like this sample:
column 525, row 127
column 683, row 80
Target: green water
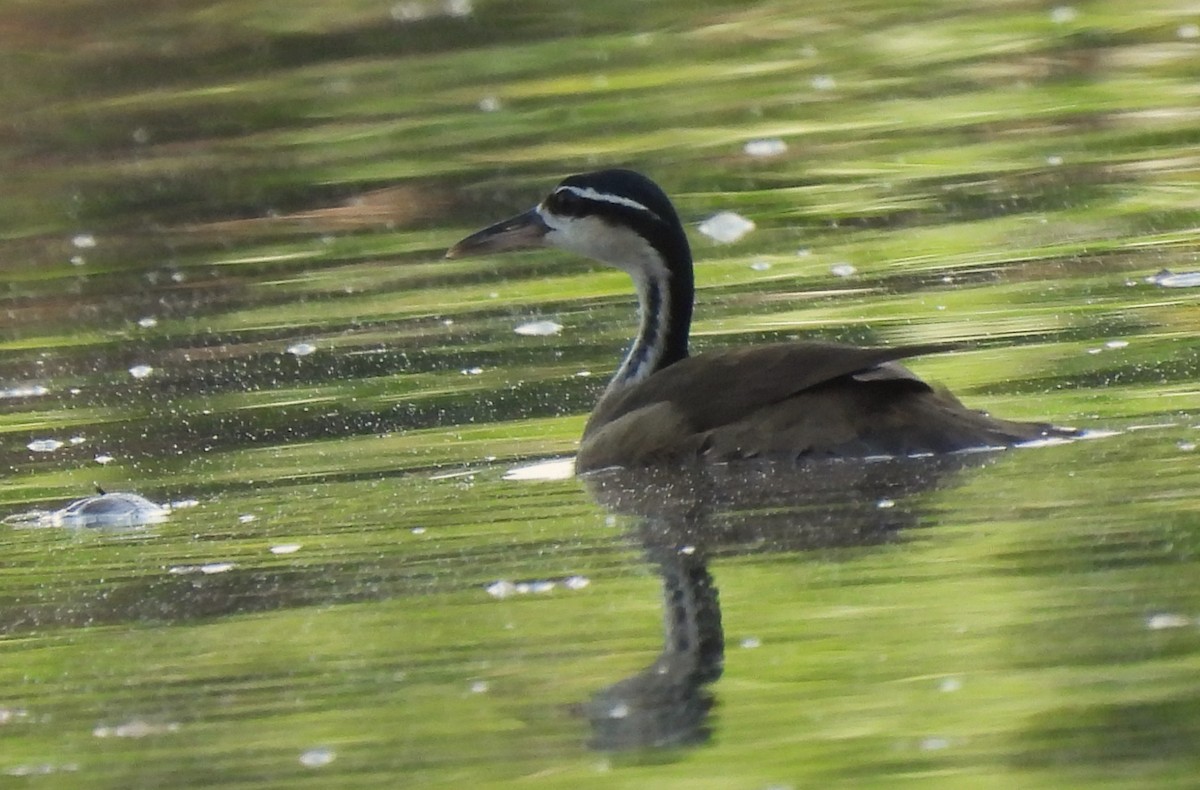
column 196, row 188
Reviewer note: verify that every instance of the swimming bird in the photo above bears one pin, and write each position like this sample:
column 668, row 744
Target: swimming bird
column 790, row 401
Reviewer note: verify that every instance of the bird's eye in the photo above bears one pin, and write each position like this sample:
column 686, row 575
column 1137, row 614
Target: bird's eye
column 564, row 201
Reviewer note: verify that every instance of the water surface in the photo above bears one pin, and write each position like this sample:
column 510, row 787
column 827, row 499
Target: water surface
column 223, row 229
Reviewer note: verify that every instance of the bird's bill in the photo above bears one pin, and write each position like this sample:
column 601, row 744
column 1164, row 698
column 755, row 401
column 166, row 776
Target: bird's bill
column 521, row 232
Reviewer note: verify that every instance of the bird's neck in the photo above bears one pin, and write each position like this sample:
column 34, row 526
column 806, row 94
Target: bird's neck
column 665, row 295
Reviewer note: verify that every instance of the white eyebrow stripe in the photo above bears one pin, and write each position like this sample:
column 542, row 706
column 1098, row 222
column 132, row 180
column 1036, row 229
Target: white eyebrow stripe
column 605, row 197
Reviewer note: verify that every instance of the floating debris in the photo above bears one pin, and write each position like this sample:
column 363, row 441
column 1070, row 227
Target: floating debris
column 24, row 391
column 1164, row 621
column 1167, row 279
column 1060, row 15
column 301, row 349
column 317, row 757
column 764, row 148
column 285, row 548
column 505, row 588
column 949, row 685
column 207, row 569
column 726, row 227
column 140, row 371
column 501, row 589
column 45, row 445
column 543, row 328
column 842, row 270
column 137, row 728
column 98, row 511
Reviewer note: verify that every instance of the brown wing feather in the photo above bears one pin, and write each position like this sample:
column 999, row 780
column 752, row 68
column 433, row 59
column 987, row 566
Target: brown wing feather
column 719, row 388
column 788, row 402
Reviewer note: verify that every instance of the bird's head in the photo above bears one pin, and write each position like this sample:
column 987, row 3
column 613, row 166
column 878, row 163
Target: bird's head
column 617, row 217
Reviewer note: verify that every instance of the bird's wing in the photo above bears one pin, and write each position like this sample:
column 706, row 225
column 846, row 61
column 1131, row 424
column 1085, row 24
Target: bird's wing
column 714, row 389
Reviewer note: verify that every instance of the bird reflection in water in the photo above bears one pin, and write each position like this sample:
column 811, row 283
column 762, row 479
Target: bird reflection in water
column 686, row 517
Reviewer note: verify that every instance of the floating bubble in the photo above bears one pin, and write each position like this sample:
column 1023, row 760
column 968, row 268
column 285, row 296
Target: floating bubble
column 765, row 148
column 317, row 757
column 24, row 391
column 726, row 227
column 538, row 328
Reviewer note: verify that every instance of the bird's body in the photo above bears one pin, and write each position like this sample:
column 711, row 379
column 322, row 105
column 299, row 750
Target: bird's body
column 779, row 401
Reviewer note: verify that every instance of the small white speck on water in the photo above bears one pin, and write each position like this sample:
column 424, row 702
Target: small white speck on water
column 1188, row 31
column 26, row 391
column 767, row 147
column 475, row 371
column 140, row 371
column 83, row 241
column 618, row 711
column 479, row 687
column 301, row 349
column 934, row 744
column 489, row 104
column 1187, row 447
column 447, row 322
column 583, row 374
column 576, row 582
column 1116, row 344
column 760, row 265
column 1166, row 620
column 884, row 504
column 216, row 567
column 688, row 550
column 1060, row 15
column 76, row 440
column 104, row 459
column 149, row 322
column 949, row 685
column 751, row 642
column 285, row 548
column 1054, row 160
column 44, row 445
column 726, row 227
column 78, row 260
column 501, row 589
column 317, row 757
column 418, row 530
column 247, row 518
column 842, row 270
column 543, row 328
column 1095, row 350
